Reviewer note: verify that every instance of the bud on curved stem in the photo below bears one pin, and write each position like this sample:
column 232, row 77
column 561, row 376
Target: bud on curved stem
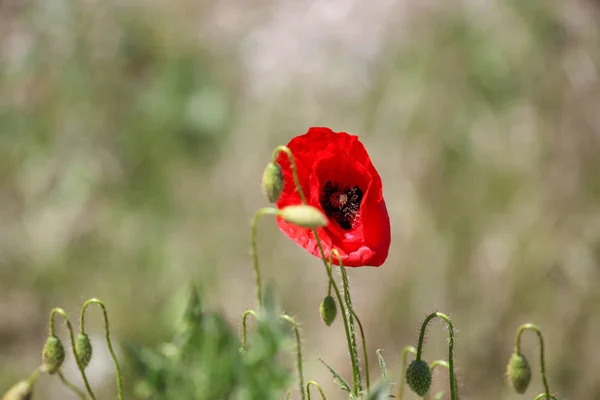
column 108, row 342
column 538, row 332
column 272, row 182
column 53, row 354
column 63, row 314
column 453, row 384
column 298, row 352
column 328, row 310
column 315, row 384
column 259, row 213
column 418, row 377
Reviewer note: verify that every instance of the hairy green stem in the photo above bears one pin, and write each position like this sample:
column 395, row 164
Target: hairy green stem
column 71, row 386
column 108, row 341
column 298, row 352
column 405, row 351
column 244, row 327
column 259, row 213
column 62, row 313
column 438, row 363
column 453, row 384
column 328, row 268
column 364, row 346
column 537, row 330
column 315, row 384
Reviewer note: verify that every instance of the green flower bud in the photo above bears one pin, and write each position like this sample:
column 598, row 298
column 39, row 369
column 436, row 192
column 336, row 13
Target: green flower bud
column 328, row 310
column 53, row 354
column 21, row 391
column 418, row 377
column 304, row 216
column 518, row 372
column 83, row 349
column 272, row 182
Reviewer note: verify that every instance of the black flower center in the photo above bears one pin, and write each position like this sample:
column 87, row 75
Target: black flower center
column 341, row 203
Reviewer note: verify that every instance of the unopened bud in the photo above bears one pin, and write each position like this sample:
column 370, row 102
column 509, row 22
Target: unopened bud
column 518, row 372
column 418, row 377
column 20, row 391
column 272, row 182
column 83, row 349
column 304, row 216
column 53, row 354
column 328, row 310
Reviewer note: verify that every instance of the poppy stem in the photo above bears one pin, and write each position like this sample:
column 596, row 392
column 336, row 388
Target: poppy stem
column 537, row 330
column 71, row 386
column 259, row 213
column 108, row 341
column 407, row 349
column 244, row 328
column 349, row 328
column 298, row 352
column 63, row 314
column 315, row 384
column 453, row 385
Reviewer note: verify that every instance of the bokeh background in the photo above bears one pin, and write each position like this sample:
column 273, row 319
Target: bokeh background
column 133, row 135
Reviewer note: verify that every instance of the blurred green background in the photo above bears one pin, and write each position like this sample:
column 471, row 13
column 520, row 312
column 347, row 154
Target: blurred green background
column 133, row 135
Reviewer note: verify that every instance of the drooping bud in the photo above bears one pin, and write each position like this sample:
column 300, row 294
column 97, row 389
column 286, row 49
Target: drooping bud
column 53, row 354
column 304, row 216
column 418, row 377
column 518, row 372
column 328, row 310
column 272, row 182
column 83, row 349
column 20, row 391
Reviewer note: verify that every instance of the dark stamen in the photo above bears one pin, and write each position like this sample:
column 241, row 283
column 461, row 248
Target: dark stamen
column 341, row 203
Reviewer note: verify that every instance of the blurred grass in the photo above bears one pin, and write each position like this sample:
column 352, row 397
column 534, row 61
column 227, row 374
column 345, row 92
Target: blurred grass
column 133, row 136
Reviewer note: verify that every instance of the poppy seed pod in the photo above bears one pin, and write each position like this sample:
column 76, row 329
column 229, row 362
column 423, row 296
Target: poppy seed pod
column 336, row 175
column 303, row 216
column 83, row 349
column 272, row 182
column 518, row 372
column 418, row 377
column 328, row 310
column 53, row 354
column 20, row 391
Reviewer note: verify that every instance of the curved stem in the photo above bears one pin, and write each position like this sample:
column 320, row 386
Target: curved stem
column 544, row 395
column 315, row 384
column 453, row 385
column 71, row 386
column 108, row 341
column 244, row 329
column 537, row 330
column 328, row 268
column 62, row 313
column 259, row 213
column 298, row 351
column 438, row 363
column 405, row 351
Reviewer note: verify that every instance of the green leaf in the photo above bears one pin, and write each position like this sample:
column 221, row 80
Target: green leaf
column 337, row 378
column 382, row 364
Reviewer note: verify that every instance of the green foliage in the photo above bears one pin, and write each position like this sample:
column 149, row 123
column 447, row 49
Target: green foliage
column 204, row 360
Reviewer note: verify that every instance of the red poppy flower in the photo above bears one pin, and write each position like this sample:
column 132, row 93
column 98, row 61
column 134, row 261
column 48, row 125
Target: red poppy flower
column 338, row 177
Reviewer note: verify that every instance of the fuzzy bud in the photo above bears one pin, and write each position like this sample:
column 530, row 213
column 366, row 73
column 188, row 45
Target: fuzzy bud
column 304, row 216
column 20, row 391
column 272, row 182
column 328, row 310
column 53, row 354
column 518, row 372
column 83, row 349
column 418, row 377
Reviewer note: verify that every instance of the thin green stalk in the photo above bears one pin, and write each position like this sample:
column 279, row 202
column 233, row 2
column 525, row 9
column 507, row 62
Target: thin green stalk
column 438, row 363
column 453, row 385
column 328, row 267
column 244, row 327
column 351, row 317
column 544, row 395
column 537, row 330
column 108, row 341
column 71, row 386
column 298, row 352
column 259, row 213
column 35, row 375
column 62, row 312
column 315, row 384
column 405, row 351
